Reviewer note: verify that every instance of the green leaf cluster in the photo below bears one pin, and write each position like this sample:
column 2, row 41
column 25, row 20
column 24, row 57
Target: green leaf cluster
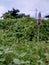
column 19, row 44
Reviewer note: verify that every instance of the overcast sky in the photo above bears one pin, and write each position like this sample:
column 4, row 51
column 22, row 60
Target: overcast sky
column 25, row 6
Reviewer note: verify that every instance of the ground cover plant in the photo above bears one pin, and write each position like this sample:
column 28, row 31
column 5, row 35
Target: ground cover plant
column 19, row 44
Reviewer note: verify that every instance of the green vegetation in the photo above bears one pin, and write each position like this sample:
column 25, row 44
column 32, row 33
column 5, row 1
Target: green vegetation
column 14, row 13
column 19, row 44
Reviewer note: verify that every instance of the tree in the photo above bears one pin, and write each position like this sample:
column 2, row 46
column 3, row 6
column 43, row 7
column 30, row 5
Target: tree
column 7, row 15
column 11, row 14
column 47, row 16
column 14, row 13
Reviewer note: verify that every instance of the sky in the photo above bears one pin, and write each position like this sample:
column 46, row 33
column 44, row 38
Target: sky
column 25, row 6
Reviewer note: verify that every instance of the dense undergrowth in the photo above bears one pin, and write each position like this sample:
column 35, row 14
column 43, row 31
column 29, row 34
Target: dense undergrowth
column 19, row 44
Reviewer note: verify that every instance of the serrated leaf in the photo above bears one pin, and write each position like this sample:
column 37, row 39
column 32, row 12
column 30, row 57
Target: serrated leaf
column 22, row 54
column 1, row 52
column 2, row 59
column 16, row 61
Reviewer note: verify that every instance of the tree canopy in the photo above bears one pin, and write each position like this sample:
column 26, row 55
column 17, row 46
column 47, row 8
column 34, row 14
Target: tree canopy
column 14, row 13
column 47, row 16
